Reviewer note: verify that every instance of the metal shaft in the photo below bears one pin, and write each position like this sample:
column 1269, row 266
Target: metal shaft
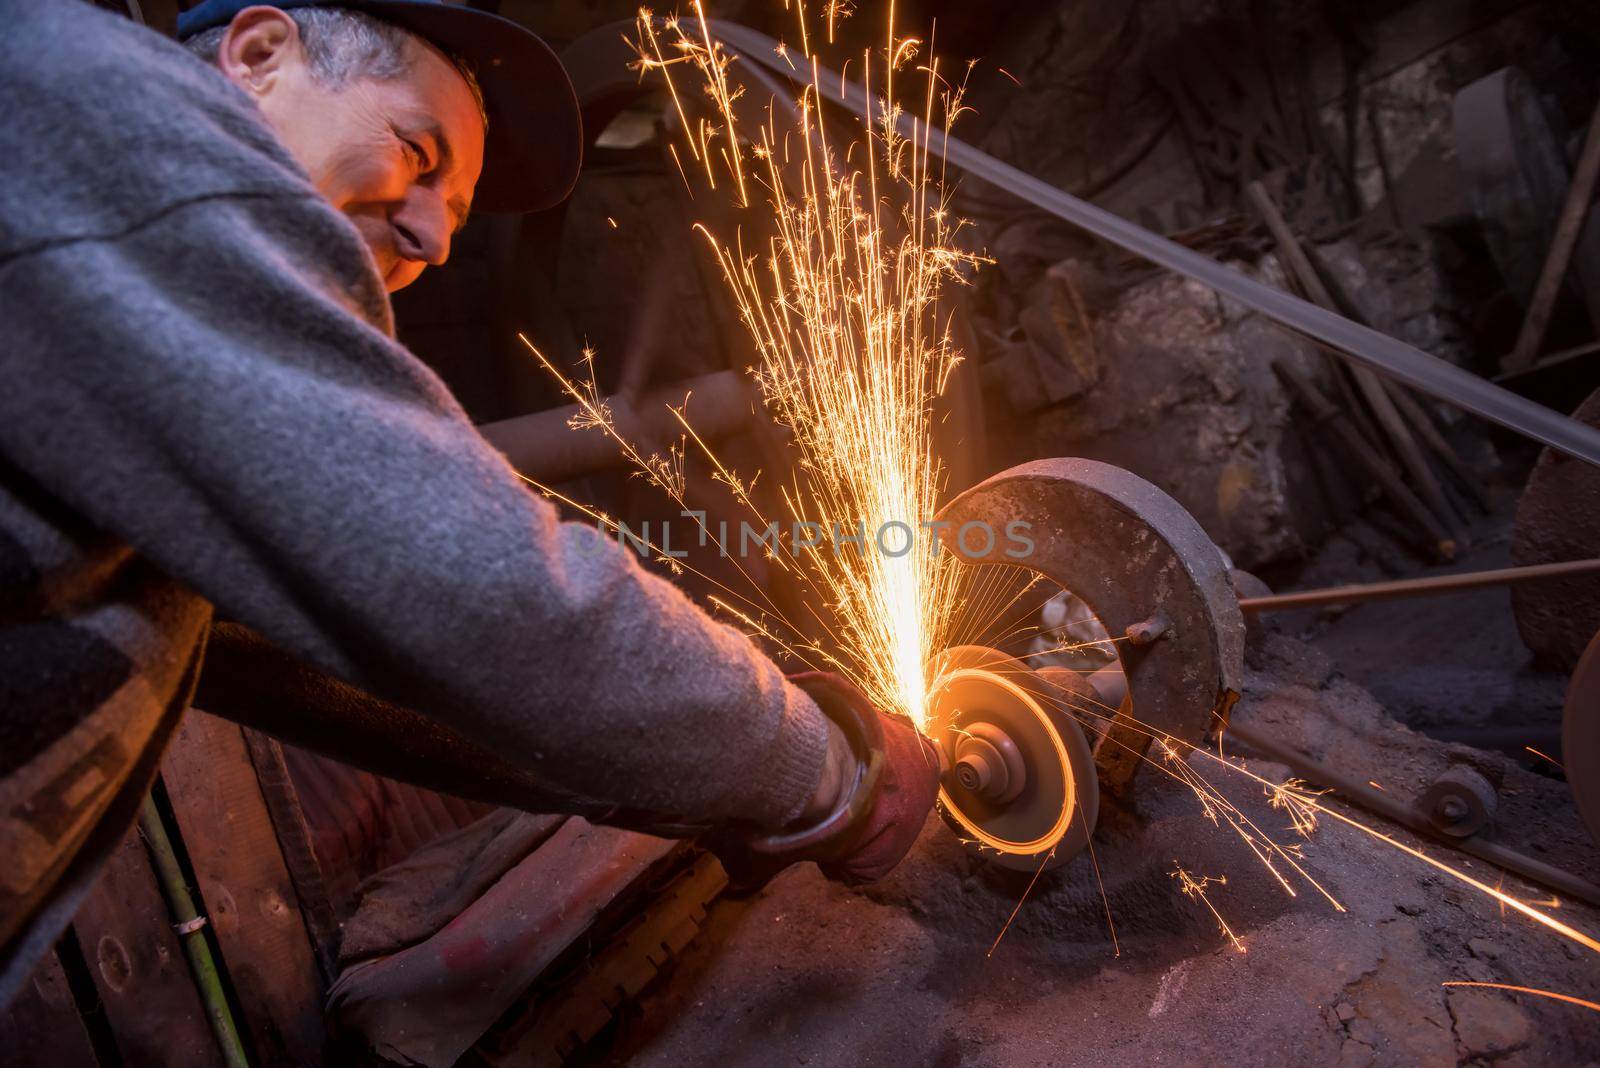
column 1417, row 587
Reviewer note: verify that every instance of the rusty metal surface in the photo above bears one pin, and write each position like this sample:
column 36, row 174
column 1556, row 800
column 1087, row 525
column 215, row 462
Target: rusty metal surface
column 1580, row 737
column 1351, row 788
column 1459, row 803
column 551, row 1031
column 1143, row 565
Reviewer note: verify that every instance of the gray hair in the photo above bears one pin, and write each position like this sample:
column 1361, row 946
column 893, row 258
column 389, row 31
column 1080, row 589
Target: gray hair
column 343, row 46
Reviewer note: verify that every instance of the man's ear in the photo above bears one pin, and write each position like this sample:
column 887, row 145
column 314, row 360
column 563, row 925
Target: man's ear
column 259, row 43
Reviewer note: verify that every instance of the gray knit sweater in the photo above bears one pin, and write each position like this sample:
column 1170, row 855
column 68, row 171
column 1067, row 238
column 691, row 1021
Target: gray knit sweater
column 202, row 407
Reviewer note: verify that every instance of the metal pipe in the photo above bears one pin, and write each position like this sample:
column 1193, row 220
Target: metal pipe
column 1390, row 808
column 544, row 447
column 1417, row 587
column 189, row 925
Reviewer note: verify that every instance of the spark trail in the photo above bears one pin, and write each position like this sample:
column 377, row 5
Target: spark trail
column 841, row 300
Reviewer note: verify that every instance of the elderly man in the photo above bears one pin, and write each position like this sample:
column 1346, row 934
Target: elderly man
column 205, row 415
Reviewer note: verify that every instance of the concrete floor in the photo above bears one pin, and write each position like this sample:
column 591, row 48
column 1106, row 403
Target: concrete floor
column 901, row 972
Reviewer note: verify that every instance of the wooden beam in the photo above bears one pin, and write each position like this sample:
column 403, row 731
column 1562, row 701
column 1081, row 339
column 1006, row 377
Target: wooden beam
column 248, row 894
column 41, row 1027
column 138, row 967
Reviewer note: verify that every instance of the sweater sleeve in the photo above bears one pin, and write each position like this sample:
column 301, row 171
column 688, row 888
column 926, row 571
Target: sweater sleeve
column 215, row 387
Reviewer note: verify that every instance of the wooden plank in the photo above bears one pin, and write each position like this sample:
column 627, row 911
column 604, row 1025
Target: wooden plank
column 41, row 1027
column 248, row 894
column 138, row 967
column 294, row 838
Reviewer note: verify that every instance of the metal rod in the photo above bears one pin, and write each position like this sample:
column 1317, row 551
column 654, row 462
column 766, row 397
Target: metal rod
column 1402, row 813
column 1384, row 354
column 1570, row 224
column 189, row 925
column 1417, row 587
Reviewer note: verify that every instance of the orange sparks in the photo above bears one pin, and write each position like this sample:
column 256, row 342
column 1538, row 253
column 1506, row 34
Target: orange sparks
column 1527, row 910
column 1553, row 995
column 1543, row 756
column 1195, row 890
column 841, row 302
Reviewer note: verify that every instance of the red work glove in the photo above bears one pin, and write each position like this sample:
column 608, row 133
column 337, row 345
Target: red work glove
column 885, row 803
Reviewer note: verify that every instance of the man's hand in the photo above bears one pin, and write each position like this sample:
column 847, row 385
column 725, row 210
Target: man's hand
column 879, row 780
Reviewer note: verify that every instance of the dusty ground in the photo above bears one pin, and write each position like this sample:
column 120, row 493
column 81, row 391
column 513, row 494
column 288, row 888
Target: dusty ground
column 901, row 972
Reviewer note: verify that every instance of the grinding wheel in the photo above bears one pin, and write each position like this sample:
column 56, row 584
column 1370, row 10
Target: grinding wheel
column 1045, row 819
column 1580, row 737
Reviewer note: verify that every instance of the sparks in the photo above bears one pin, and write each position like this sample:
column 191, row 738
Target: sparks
column 1195, row 890
column 842, row 305
column 1529, row 990
column 851, row 243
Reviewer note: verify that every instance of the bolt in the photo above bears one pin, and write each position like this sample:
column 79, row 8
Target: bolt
column 1453, row 810
column 1147, row 631
column 973, row 772
column 981, row 768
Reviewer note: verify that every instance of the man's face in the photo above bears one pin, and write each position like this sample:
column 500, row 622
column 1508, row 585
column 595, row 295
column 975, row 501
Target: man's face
column 399, row 157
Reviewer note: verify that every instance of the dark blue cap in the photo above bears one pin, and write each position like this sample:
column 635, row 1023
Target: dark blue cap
column 535, row 141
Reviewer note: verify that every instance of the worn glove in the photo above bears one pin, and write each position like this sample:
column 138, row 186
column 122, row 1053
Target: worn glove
column 882, row 807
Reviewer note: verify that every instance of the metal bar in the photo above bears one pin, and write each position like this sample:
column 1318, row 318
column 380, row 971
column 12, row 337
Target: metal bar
column 543, row 446
column 1384, row 354
column 1417, row 587
column 1371, row 387
column 1570, row 224
column 189, row 927
column 1402, row 813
